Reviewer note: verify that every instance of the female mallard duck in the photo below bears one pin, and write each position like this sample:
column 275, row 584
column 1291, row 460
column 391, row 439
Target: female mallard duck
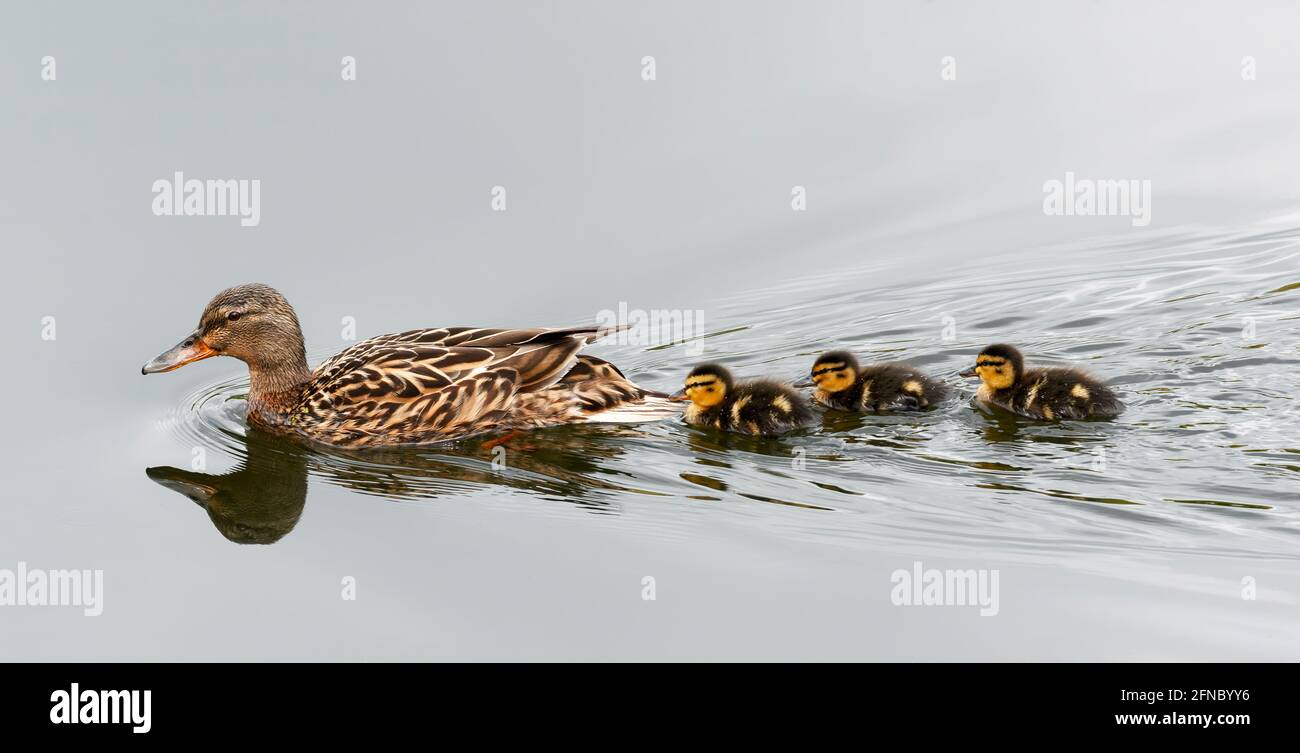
column 758, row 406
column 1040, row 393
column 844, row 385
column 416, row 387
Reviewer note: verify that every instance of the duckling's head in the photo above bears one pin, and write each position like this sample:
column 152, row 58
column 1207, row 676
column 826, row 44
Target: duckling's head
column 835, row 371
column 707, row 384
column 999, row 366
column 253, row 323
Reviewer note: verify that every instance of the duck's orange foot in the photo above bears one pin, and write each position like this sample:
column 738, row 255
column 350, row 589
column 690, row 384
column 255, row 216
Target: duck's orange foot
column 501, row 440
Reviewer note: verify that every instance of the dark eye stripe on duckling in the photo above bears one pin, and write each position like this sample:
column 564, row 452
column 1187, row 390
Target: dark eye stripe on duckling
column 701, row 383
column 990, row 362
column 827, row 369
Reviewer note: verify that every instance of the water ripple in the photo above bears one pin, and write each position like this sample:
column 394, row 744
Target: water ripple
column 1198, row 329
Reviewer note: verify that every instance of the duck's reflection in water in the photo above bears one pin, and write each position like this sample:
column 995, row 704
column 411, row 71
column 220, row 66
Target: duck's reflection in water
column 258, row 502
column 262, row 499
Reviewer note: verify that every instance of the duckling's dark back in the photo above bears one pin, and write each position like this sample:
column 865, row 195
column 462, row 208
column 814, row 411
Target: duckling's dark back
column 764, row 406
column 894, row 386
column 1065, row 393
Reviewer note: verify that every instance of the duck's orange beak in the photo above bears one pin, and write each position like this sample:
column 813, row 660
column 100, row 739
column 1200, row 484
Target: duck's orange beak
column 189, row 350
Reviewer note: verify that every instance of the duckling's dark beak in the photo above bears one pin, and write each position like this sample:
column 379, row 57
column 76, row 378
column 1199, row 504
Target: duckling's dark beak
column 189, row 350
column 679, row 396
column 805, row 382
column 967, row 373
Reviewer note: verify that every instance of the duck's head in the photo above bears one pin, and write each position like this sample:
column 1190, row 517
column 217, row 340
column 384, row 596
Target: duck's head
column 707, row 385
column 999, row 366
column 832, row 372
column 253, row 323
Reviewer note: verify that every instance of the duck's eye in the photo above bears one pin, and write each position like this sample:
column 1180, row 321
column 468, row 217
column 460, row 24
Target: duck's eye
column 233, row 316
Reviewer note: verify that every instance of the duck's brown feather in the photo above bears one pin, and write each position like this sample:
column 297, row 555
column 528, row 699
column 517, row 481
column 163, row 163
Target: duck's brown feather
column 431, row 385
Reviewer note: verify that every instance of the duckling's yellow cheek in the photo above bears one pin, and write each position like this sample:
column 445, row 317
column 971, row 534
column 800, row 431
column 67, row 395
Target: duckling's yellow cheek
column 835, row 381
column 997, row 377
column 704, row 397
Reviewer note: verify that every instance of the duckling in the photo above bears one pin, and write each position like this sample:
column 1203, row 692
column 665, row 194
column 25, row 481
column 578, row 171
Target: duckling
column 1049, row 394
column 842, row 384
column 758, row 406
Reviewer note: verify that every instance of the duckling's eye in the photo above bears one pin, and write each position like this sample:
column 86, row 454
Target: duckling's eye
column 233, row 316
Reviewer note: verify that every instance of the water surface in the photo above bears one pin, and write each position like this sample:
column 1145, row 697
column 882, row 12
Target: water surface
column 924, row 239
column 1199, row 336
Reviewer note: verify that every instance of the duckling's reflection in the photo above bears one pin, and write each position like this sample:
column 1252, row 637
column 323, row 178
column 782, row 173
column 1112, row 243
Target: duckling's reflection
column 842, row 422
column 711, row 442
column 261, row 500
column 1003, row 426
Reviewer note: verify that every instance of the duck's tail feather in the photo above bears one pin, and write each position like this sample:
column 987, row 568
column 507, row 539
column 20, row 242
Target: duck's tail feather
column 584, row 333
column 652, row 407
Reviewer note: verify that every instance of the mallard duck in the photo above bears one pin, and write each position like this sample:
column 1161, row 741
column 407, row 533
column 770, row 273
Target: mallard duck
column 843, row 384
column 1040, row 393
column 757, row 406
column 410, row 388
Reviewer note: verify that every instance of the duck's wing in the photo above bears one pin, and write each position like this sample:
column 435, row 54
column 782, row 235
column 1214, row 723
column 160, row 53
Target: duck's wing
column 418, row 387
column 447, row 337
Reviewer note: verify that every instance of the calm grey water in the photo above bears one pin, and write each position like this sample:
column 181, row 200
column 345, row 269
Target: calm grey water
column 924, row 240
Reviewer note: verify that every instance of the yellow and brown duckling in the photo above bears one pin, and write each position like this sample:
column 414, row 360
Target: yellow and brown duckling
column 756, row 406
column 1051, row 394
column 841, row 383
column 409, row 388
